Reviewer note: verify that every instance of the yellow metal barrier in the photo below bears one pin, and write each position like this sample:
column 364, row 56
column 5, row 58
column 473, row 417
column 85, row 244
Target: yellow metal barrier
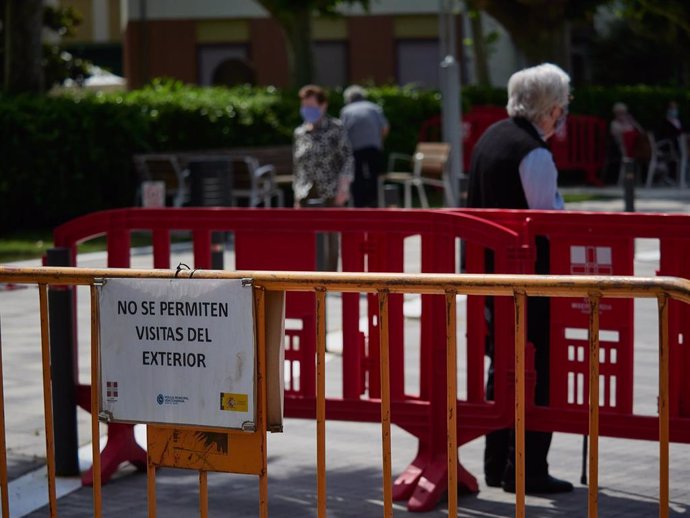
column 518, row 286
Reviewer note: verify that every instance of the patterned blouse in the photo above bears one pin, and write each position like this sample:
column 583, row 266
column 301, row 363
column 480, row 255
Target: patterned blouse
column 322, row 155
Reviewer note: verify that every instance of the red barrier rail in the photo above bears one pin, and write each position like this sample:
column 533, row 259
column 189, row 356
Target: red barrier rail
column 604, row 244
column 581, row 146
column 373, row 240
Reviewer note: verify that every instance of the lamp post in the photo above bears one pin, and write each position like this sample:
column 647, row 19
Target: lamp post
column 450, row 98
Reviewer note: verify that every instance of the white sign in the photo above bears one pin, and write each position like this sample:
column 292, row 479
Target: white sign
column 153, row 194
column 178, row 351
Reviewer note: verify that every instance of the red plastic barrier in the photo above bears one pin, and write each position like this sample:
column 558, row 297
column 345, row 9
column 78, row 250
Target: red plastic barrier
column 603, row 244
column 580, row 146
column 372, row 240
column 474, row 124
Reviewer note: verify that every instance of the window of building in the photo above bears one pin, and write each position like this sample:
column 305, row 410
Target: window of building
column 330, row 63
column 225, row 65
column 418, row 63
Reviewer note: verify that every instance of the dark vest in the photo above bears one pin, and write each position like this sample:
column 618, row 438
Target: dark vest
column 495, row 168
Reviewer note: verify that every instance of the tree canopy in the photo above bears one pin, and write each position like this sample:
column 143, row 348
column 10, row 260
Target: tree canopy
column 538, row 26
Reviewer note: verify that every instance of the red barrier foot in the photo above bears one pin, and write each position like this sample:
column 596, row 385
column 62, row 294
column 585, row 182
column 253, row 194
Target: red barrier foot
column 121, row 447
column 425, row 481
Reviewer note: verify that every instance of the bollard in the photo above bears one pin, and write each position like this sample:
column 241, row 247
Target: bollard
column 63, row 369
column 629, row 184
column 391, row 196
column 464, row 188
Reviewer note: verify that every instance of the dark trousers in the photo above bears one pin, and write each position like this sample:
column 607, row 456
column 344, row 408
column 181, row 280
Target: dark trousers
column 328, row 243
column 499, row 451
column 368, row 165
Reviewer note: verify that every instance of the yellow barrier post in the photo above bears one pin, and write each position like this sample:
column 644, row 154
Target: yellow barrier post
column 261, row 384
column 385, row 405
column 520, row 328
column 47, row 398
column 663, row 407
column 151, row 488
column 593, row 491
column 5, row 504
column 321, row 401
column 451, row 401
column 203, row 494
column 95, row 425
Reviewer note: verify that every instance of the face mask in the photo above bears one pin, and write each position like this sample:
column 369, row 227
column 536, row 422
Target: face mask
column 560, row 122
column 310, row 114
column 672, row 113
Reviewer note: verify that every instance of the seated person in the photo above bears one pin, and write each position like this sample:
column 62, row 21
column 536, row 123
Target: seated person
column 626, row 140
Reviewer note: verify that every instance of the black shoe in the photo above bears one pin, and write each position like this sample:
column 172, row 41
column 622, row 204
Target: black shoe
column 492, row 481
column 542, row 485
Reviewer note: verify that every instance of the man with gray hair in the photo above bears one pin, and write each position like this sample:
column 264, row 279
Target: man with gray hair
column 366, row 127
column 512, row 168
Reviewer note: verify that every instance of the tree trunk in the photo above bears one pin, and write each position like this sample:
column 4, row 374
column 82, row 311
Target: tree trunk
column 23, row 52
column 481, row 61
column 2, row 43
column 297, row 30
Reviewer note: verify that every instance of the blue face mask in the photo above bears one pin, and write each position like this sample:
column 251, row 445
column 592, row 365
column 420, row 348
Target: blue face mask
column 672, row 113
column 310, row 114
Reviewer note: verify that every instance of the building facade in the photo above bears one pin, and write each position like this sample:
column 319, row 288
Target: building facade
column 227, row 42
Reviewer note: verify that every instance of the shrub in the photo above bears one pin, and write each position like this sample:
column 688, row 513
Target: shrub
column 70, row 155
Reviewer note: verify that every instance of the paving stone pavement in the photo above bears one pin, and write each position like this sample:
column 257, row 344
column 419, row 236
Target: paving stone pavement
column 628, row 468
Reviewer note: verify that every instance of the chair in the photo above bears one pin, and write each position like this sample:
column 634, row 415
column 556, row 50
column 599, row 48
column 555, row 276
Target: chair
column 663, row 154
column 254, row 182
column 429, row 167
column 165, row 168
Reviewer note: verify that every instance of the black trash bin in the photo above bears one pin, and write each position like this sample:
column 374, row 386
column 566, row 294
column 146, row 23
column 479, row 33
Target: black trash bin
column 211, row 182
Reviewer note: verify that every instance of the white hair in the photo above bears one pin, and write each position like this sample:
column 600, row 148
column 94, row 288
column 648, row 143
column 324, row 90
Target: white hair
column 534, row 91
column 354, row 93
column 620, row 108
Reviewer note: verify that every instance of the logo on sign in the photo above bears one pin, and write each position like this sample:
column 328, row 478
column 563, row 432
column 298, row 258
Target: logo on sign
column 591, row 260
column 167, row 399
column 111, row 390
column 234, row 402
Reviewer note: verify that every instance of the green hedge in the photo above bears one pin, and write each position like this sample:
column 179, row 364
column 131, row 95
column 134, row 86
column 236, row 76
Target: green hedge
column 70, row 155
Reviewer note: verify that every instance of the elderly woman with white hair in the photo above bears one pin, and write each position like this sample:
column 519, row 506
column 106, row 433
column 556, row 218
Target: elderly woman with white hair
column 512, row 168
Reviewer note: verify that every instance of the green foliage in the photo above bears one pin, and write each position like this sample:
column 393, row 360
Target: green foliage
column 58, row 64
column 649, row 40
column 70, row 155
column 646, row 103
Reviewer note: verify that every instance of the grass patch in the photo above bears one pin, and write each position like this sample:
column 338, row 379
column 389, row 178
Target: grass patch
column 581, row 196
column 32, row 245
column 29, row 245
